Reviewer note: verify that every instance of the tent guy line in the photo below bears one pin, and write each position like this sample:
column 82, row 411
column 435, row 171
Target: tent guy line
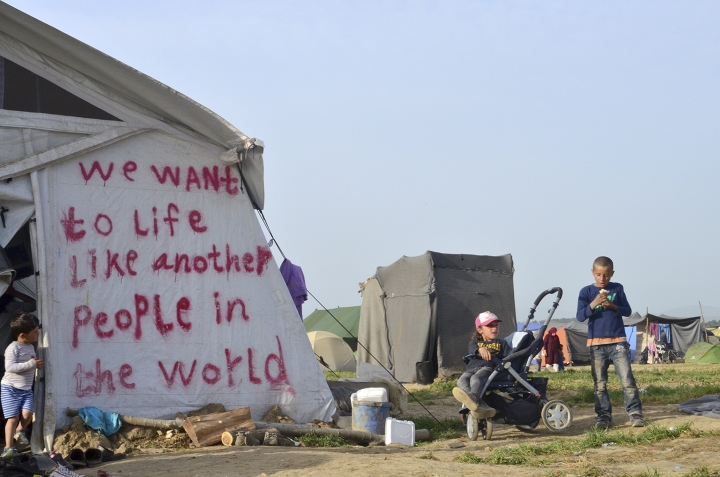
column 378, row 361
column 274, row 240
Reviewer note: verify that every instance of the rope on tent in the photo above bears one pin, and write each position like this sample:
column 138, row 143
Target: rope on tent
column 273, row 240
column 373, row 356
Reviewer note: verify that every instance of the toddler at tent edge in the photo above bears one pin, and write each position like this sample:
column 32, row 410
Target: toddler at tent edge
column 16, row 385
column 604, row 303
column 483, row 349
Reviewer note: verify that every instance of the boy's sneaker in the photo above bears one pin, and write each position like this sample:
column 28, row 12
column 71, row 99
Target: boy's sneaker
column 637, row 420
column 11, row 452
column 602, row 422
column 21, row 439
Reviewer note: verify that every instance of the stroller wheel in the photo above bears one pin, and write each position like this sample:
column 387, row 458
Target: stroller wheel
column 481, row 427
column 556, row 415
column 472, row 427
column 486, row 428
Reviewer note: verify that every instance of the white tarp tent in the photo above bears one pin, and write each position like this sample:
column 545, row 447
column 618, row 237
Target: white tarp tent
column 156, row 290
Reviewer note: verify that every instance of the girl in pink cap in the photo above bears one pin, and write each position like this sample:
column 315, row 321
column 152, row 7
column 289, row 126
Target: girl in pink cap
column 484, row 348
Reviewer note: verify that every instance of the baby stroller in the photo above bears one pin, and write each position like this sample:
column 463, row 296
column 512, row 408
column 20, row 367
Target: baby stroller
column 518, row 400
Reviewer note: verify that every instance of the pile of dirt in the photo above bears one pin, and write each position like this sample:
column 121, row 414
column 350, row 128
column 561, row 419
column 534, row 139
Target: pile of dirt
column 275, row 414
column 135, row 439
column 127, row 440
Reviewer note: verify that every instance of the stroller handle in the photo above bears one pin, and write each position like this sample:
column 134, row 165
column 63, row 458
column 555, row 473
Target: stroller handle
column 557, row 290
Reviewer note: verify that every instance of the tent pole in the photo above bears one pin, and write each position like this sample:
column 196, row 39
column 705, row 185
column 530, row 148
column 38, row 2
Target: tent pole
column 703, row 318
column 44, row 424
column 647, row 334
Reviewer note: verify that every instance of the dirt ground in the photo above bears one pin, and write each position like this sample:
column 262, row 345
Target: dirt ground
column 677, row 457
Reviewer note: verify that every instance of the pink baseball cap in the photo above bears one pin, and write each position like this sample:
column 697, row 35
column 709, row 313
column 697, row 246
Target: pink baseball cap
column 485, row 318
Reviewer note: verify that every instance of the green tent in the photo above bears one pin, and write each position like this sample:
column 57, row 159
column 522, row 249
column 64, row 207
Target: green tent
column 703, row 352
column 712, row 355
column 349, row 316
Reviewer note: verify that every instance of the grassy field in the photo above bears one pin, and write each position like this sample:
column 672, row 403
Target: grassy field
column 659, row 384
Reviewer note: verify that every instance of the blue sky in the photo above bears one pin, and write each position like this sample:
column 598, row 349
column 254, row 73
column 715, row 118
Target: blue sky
column 554, row 131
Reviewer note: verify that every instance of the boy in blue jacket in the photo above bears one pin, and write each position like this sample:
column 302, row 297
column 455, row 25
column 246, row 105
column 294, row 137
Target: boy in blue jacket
column 604, row 304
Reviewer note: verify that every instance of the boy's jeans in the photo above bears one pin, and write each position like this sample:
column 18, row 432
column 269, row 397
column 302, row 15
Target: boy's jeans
column 619, row 355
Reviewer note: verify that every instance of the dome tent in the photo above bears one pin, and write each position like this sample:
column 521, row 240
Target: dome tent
column 703, row 352
column 332, row 350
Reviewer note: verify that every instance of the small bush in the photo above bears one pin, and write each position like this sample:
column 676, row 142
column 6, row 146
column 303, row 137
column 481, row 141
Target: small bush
column 468, row 457
column 703, row 472
column 335, row 375
column 428, row 455
column 313, row 440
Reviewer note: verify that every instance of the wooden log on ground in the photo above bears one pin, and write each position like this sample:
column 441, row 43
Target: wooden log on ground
column 240, row 438
column 207, row 430
column 228, row 438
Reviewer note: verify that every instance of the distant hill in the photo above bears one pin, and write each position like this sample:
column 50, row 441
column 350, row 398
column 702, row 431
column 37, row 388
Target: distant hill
column 712, row 313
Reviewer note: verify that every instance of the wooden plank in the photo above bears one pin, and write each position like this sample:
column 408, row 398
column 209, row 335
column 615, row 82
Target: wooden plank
column 66, row 151
column 54, row 122
column 207, row 430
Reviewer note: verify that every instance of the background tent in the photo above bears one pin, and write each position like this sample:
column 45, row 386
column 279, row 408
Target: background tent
column 573, row 339
column 332, row 350
column 349, row 316
column 157, row 292
column 703, row 352
column 684, row 332
column 532, row 326
column 711, row 356
column 422, row 309
column 574, row 334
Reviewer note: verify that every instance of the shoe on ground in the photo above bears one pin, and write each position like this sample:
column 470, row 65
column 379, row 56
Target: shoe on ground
column 637, row 420
column 465, row 398
column 602, row 423
column 11, row 452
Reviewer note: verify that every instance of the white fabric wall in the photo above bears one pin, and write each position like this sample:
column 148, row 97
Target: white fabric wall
column 148, row 371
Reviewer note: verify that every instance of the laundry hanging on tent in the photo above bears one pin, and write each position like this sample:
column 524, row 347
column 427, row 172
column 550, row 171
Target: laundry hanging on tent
column 295, row 280
column 665, row 330
column 653, row 335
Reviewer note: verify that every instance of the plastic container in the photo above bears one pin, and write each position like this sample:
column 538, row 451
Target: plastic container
column 399, row 432
column 424, row 372
column 372, row 395
column 370, row 416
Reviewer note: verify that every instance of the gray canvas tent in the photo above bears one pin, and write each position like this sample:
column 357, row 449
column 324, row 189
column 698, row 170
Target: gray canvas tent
column 422, row 309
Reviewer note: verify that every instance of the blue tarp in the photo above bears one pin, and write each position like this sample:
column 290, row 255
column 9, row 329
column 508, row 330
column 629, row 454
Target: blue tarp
column 631, row 334
column 106, row 423
column 531, row 326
